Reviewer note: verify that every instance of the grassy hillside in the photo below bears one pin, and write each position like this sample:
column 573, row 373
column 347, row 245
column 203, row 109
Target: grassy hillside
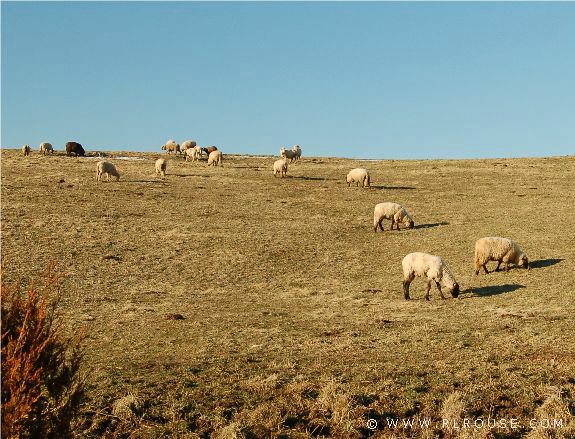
column 294, row 319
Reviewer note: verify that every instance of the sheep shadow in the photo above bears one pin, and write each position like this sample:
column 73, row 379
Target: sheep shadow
column 373, row 186
column 144, row 181
column 189, row 175
column 493, row 290
column 427, row 226
column 304, row 177
column 542, row 263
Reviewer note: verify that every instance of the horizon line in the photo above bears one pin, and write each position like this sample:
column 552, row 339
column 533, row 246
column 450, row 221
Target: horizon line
column 161, row 152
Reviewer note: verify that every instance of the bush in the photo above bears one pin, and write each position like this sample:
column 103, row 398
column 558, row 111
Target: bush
column 41, row 384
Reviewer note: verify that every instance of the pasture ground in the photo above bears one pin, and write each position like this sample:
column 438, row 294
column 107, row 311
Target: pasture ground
column 294, row 319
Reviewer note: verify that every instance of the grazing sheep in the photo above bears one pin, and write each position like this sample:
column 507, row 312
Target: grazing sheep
column 161, row 166
column 74, row 148
column 209, row 150
column 108, row 168
column 297, row 150
column 287, row 154
column 393, row 211
column 430, row 266
column 46, row 148
column 26, row 150
column 280, row 167
column 501, row 250
column 193, row 153
column 357, row 176
column 171, row 146
column 215, row 158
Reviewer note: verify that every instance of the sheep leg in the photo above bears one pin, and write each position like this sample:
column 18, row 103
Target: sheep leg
column 498, row 264
column 427, row 288
column 406, row 283
column 439, row 288
column 507, row 266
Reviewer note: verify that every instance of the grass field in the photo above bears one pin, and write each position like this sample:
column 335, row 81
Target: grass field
column 294, row 319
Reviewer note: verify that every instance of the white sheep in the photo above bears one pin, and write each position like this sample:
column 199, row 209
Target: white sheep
column 26, row 150
column 193, row 153
column 46, row 148
column 357, row 176
column 108, row 168
column 393, row 211
column 215, row 158
column 171, row 146
column 280, row 167
column 297, row 151
column 432, row 267
column 161, row 166
column 287, row 154
column 188, row 144
column 495, row 248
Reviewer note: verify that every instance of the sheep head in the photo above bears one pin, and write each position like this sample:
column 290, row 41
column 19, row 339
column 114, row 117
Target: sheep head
column 455, row 290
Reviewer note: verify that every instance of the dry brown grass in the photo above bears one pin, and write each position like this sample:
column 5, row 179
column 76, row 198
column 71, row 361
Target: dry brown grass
column 294, row 319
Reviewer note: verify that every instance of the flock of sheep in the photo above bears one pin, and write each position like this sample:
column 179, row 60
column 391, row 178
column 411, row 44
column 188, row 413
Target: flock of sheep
column 434, row 268
column 281, row 166
column 45, row 148
column 192, row 151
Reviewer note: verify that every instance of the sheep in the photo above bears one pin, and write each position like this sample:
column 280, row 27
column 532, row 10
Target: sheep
column 357, row 176
column 432, row 267
column 46, row 148
column 215, row 158
column 75, row 148
column 161, row 165
column 501, row 250
column 26, row 150
column 193, row 153
column 393, row 211
column 287, row 154
column 280, row 167
column 171, row 146
column 108, row 168
column 297, row 150
column 188, row 144
column 209, row 150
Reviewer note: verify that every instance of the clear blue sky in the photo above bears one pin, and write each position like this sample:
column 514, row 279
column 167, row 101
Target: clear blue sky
column 366, row 80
